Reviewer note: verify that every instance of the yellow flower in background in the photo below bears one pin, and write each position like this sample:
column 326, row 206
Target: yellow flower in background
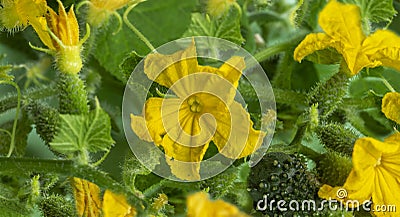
column 375, row 175
column 204, row 109
column 200, row 205
column 17, row 14
column 99, row 11
column 87, row 197
column 115, row 205
column 60, row 33
column 218, row 7
column 342, row 26
column 391, row 106
column 88, row 203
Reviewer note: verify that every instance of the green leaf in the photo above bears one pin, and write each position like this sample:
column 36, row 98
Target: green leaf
column 159, row 21
column 226, row 27
column 375, row 10
column 86, row 132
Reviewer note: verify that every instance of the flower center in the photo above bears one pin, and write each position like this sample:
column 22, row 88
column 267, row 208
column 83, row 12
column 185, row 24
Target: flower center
column 194, row 104
column 378, row 162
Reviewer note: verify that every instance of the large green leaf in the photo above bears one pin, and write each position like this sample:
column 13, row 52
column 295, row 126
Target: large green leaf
column 226, row 27
column 159, row 21
column 86, row 132
column 375, row 10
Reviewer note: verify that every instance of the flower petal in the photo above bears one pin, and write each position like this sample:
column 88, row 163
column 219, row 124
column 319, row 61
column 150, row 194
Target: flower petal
column 232, row 69
column 359, row 186
column 73, row 27
column 342, row 22
column 138, row 125
column 116, row 205
column 391, row 106
column 311, row 43
column 235, row 137
column 199, row 205
column 154, row 124
column 87, row 197
column 386, row 192
column 40, row 27
column 183, row 160
column 167, row 69
column 381, row 48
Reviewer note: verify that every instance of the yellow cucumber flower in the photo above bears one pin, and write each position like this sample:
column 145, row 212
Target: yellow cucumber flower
column 200, row 205
column 391, row 106
column 17, row 14
column 99, row 11
column 116, row 205
column 87, row 197
column 204, row 109
column 218, row 7
column 342, row 26
column 60, row 33
column 88, row 203
column 375, row 175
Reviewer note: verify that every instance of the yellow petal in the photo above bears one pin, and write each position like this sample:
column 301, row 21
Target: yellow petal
column 40, row 27
column 73, row 27
column 115, row 205
column 235, row 136
column 391, row 106
column 154, row 121
column 381, row 48
column 17, row 14
column 366, row 153
column 386, row 192
column 199, row 205
column 53, row 21
column 218, row 7
column 359, row 186
column 232, row 69
column 87, row 197
column 167, row 69
column 138, row 125
column 342, row 22
column 342, row 25
column 183, row 160
column 311, row 43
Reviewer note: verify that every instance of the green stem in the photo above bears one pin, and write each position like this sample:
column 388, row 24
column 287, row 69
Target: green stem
column 272, row 51
column 152, row 190
column 289, row 97
column 11, row 101
column 14, row 129
column 67, row 167
column 135, row 30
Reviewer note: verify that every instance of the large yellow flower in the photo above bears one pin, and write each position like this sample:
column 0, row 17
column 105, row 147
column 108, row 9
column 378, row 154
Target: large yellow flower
column 342, row 26
column 88, row 203
column 200, row 205
column 375, row 175
column 60, row 33
column 17, row 14
column 218, row 7
column 391, row 106
column 100, row 11
column 203, row 110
